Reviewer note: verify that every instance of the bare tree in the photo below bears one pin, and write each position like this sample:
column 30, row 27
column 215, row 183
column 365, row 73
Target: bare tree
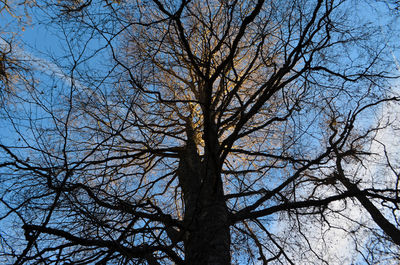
column 202, row 132
column 13, row 70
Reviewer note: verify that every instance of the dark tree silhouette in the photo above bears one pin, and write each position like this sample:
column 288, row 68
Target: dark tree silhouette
column 202, row 132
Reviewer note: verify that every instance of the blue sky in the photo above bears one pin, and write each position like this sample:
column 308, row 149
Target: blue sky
column 38, row 40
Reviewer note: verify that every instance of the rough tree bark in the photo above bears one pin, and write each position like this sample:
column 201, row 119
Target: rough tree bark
column 206, row 232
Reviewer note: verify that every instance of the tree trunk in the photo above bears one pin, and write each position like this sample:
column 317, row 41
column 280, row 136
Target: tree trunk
column 208, row 238
column 206, row 235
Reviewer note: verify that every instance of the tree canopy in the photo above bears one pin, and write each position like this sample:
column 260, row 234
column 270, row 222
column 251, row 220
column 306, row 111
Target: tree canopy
column 201, row 132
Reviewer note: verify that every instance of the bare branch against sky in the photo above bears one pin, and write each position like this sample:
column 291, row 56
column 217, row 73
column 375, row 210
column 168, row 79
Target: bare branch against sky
column 199, row 132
